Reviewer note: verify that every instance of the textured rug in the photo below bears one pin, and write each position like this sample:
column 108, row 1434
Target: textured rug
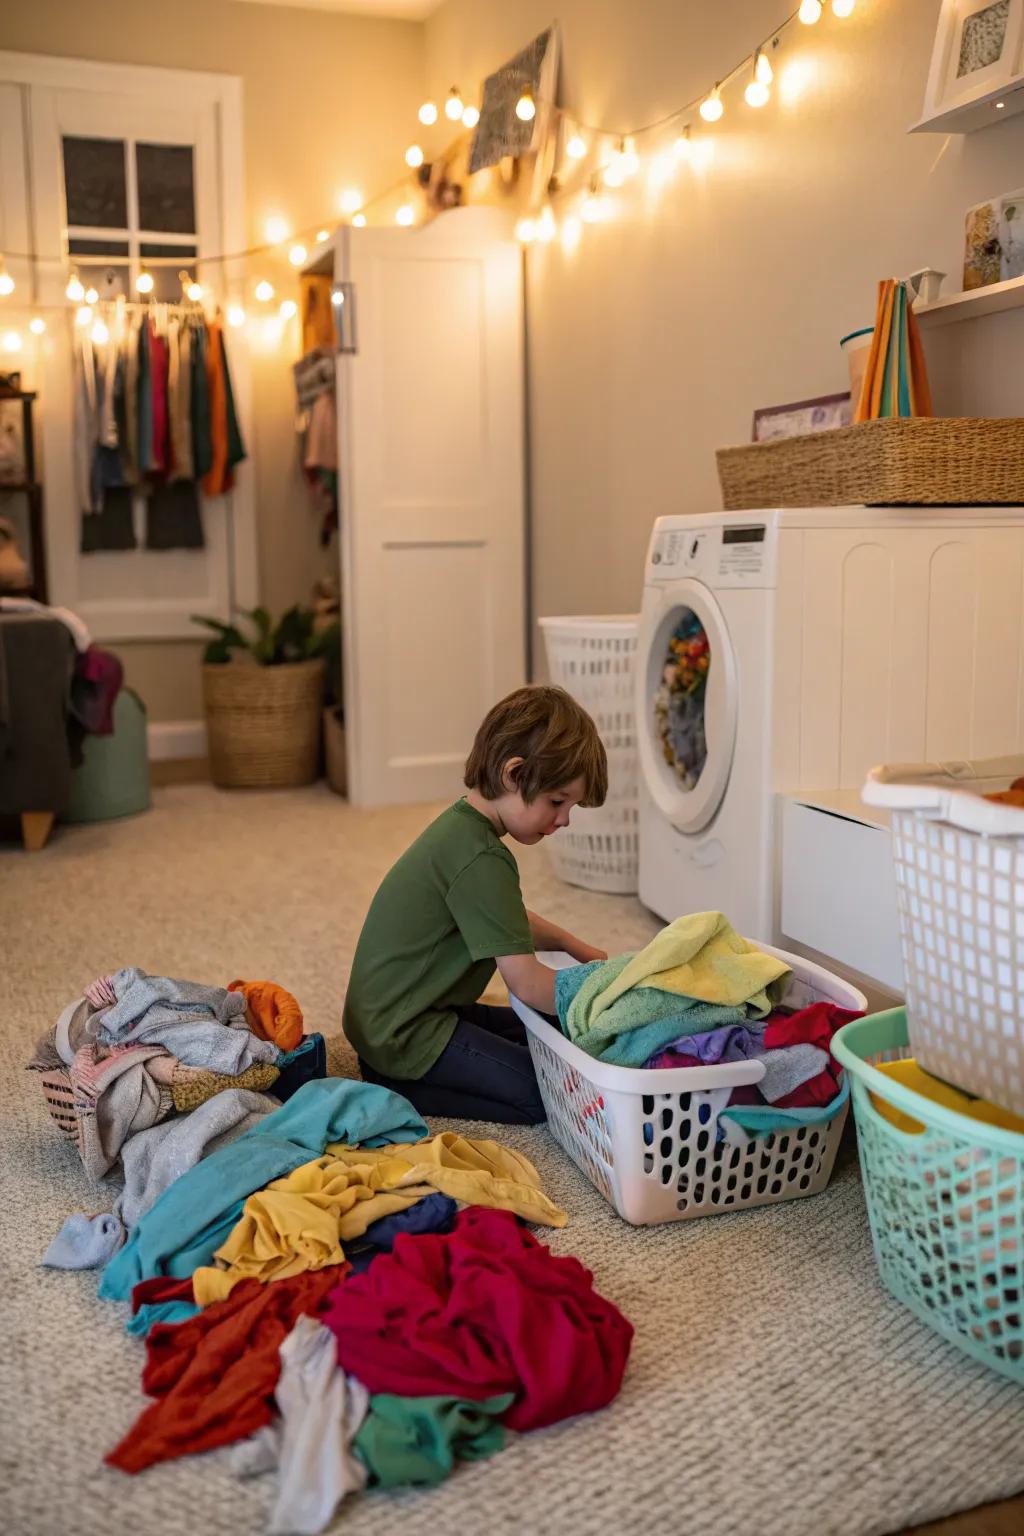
column 774, row 1387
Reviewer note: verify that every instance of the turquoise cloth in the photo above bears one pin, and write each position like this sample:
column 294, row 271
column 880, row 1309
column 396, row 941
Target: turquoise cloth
column 195, row 1214
column 643, row 1020
column 153, row 1312
column 416, row 1441
column 758, row 1121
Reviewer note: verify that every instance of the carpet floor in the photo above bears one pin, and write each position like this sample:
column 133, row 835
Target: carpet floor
column 773, row 1386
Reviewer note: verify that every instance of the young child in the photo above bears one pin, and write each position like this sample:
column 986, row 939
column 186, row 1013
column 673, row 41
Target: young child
column 451, row 909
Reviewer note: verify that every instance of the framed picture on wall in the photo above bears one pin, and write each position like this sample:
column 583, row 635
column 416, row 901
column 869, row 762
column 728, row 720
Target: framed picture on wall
column 978, row 51
column 803, row 416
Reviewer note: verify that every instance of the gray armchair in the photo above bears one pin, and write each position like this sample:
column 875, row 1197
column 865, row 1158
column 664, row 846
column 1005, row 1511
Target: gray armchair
column 36, row 662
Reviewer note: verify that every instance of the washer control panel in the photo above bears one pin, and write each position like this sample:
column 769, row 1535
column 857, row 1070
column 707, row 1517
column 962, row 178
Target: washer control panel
column 720, row 555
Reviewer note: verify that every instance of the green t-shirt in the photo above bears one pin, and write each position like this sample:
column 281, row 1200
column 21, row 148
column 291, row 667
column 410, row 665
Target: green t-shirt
column 443, row 912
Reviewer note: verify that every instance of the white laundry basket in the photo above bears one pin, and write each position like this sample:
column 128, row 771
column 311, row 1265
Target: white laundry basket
column 959, row 863
column 593, row 660
column 642, row 1138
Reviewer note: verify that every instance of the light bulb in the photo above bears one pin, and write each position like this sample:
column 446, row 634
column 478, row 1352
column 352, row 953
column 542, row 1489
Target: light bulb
column 526, row 107
column 572, row 230
column 614, row 175
column 359, row 221
column 288, row 309
column 576, row 147
column 322, row 235
column 810, row 12
column 842, row 8
column 454, row 106
column 83, row 315
column 414, row 156
column 236, row 315
column 756, row 94
column 11, row 341
column 337, row 297
column 682, row 146
column 630, row 158
column 297, row 255
column 74, row 290
column 592, row 209
column 428, row 114
column 144, row 283
column 276, row 229
column 350, row 201
column 547, row 229
column 470, row 117
column 6, row 284
column 763, row 72
column 91, row 296
column 264, row 291
column 405, row 215
column 100, row 334
column 711, row 108
column 194, row 292
column 37, row 325
column 1000, row 106
column 526, row 231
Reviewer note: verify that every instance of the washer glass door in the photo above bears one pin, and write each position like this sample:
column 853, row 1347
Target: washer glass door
column 687, row 704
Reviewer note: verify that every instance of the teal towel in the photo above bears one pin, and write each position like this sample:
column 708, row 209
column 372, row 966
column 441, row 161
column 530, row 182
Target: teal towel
column 195, row 1214
column 643, row 1020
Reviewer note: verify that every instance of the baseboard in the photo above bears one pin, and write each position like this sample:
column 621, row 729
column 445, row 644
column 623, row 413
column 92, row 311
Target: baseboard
column 170, row 740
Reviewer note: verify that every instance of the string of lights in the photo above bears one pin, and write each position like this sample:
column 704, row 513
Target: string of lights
column 614, row 151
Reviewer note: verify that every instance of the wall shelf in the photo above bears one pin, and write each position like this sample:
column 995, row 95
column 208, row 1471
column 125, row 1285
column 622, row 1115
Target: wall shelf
column 973, row 303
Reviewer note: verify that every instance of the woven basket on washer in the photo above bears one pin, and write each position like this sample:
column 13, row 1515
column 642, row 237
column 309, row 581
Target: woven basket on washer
column 593, row 660
column 263, row 723
column 936, row 461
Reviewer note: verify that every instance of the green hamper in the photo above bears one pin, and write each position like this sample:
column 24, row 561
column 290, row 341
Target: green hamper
column 113, row 779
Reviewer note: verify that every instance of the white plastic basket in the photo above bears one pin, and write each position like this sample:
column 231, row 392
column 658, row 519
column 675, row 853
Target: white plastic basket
column 593, row 660
column 959, row 863
column 639, row 1136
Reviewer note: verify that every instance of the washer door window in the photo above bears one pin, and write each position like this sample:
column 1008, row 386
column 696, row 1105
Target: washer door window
column 689, row 703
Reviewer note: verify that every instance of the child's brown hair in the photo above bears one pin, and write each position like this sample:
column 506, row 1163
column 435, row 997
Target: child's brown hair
column 554, row 736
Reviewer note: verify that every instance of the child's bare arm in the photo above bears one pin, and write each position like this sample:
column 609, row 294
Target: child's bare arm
column 547, row 935
column 529, row 980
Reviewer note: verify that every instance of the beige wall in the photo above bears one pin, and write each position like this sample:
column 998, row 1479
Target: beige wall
column 328, row 100
column 654, row 343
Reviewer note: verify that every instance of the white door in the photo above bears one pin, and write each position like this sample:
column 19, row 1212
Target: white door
column 432, row 523
column 129, row 169
column 686, row 702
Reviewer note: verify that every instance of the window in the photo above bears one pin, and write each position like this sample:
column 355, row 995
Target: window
column 130, row 206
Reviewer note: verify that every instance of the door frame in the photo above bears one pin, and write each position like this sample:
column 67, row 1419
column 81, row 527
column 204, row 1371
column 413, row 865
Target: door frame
column 45, row 285
column 689, row 811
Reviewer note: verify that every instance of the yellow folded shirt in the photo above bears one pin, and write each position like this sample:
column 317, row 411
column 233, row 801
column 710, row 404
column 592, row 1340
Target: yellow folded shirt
column 912, row 1076
column 701, row 956
column 297, row 1223
column 478, row 1172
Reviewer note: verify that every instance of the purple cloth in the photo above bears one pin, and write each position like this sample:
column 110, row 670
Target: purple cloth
column 733, row 1042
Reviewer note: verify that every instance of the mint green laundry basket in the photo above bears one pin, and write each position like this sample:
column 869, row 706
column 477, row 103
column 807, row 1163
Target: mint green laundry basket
column 946, row 1204
column 113, row 777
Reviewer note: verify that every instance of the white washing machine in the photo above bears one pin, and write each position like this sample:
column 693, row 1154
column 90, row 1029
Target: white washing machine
column 785, row 651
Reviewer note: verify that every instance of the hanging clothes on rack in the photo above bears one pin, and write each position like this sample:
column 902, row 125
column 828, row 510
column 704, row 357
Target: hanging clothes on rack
column 154, row 415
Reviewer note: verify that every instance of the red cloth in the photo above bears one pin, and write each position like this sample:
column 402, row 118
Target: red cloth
column 158, row 364
column 161, row 1288
column 811, row 1026
column 213, row 1376
column 481, row 1310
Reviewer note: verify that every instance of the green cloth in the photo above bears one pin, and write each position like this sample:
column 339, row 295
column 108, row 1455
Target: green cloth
column 636, row 1042
column 417, row 1440
column 443, row 913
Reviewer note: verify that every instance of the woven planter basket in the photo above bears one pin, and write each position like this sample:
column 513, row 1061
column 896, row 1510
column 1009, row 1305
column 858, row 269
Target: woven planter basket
column 938, row 461
column 263, row 723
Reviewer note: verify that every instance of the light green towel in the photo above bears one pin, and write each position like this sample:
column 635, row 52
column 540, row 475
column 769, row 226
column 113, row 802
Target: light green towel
column 703, row 957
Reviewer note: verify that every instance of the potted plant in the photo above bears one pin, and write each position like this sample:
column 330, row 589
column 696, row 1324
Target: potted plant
column 262, row 692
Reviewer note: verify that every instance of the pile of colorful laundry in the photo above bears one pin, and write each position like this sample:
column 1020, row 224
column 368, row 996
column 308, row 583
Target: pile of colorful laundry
column 700, row 995
column 309, row 1290
column 147, row 1074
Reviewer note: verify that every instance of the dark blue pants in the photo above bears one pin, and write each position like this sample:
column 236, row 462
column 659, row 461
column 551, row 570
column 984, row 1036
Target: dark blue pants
column 485, row 1072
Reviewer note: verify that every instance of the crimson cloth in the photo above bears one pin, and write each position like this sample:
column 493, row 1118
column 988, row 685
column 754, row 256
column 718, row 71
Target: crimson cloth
column 811, row 1026
column 161, row 1288
column 214, row 1375
column 478, row 1311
